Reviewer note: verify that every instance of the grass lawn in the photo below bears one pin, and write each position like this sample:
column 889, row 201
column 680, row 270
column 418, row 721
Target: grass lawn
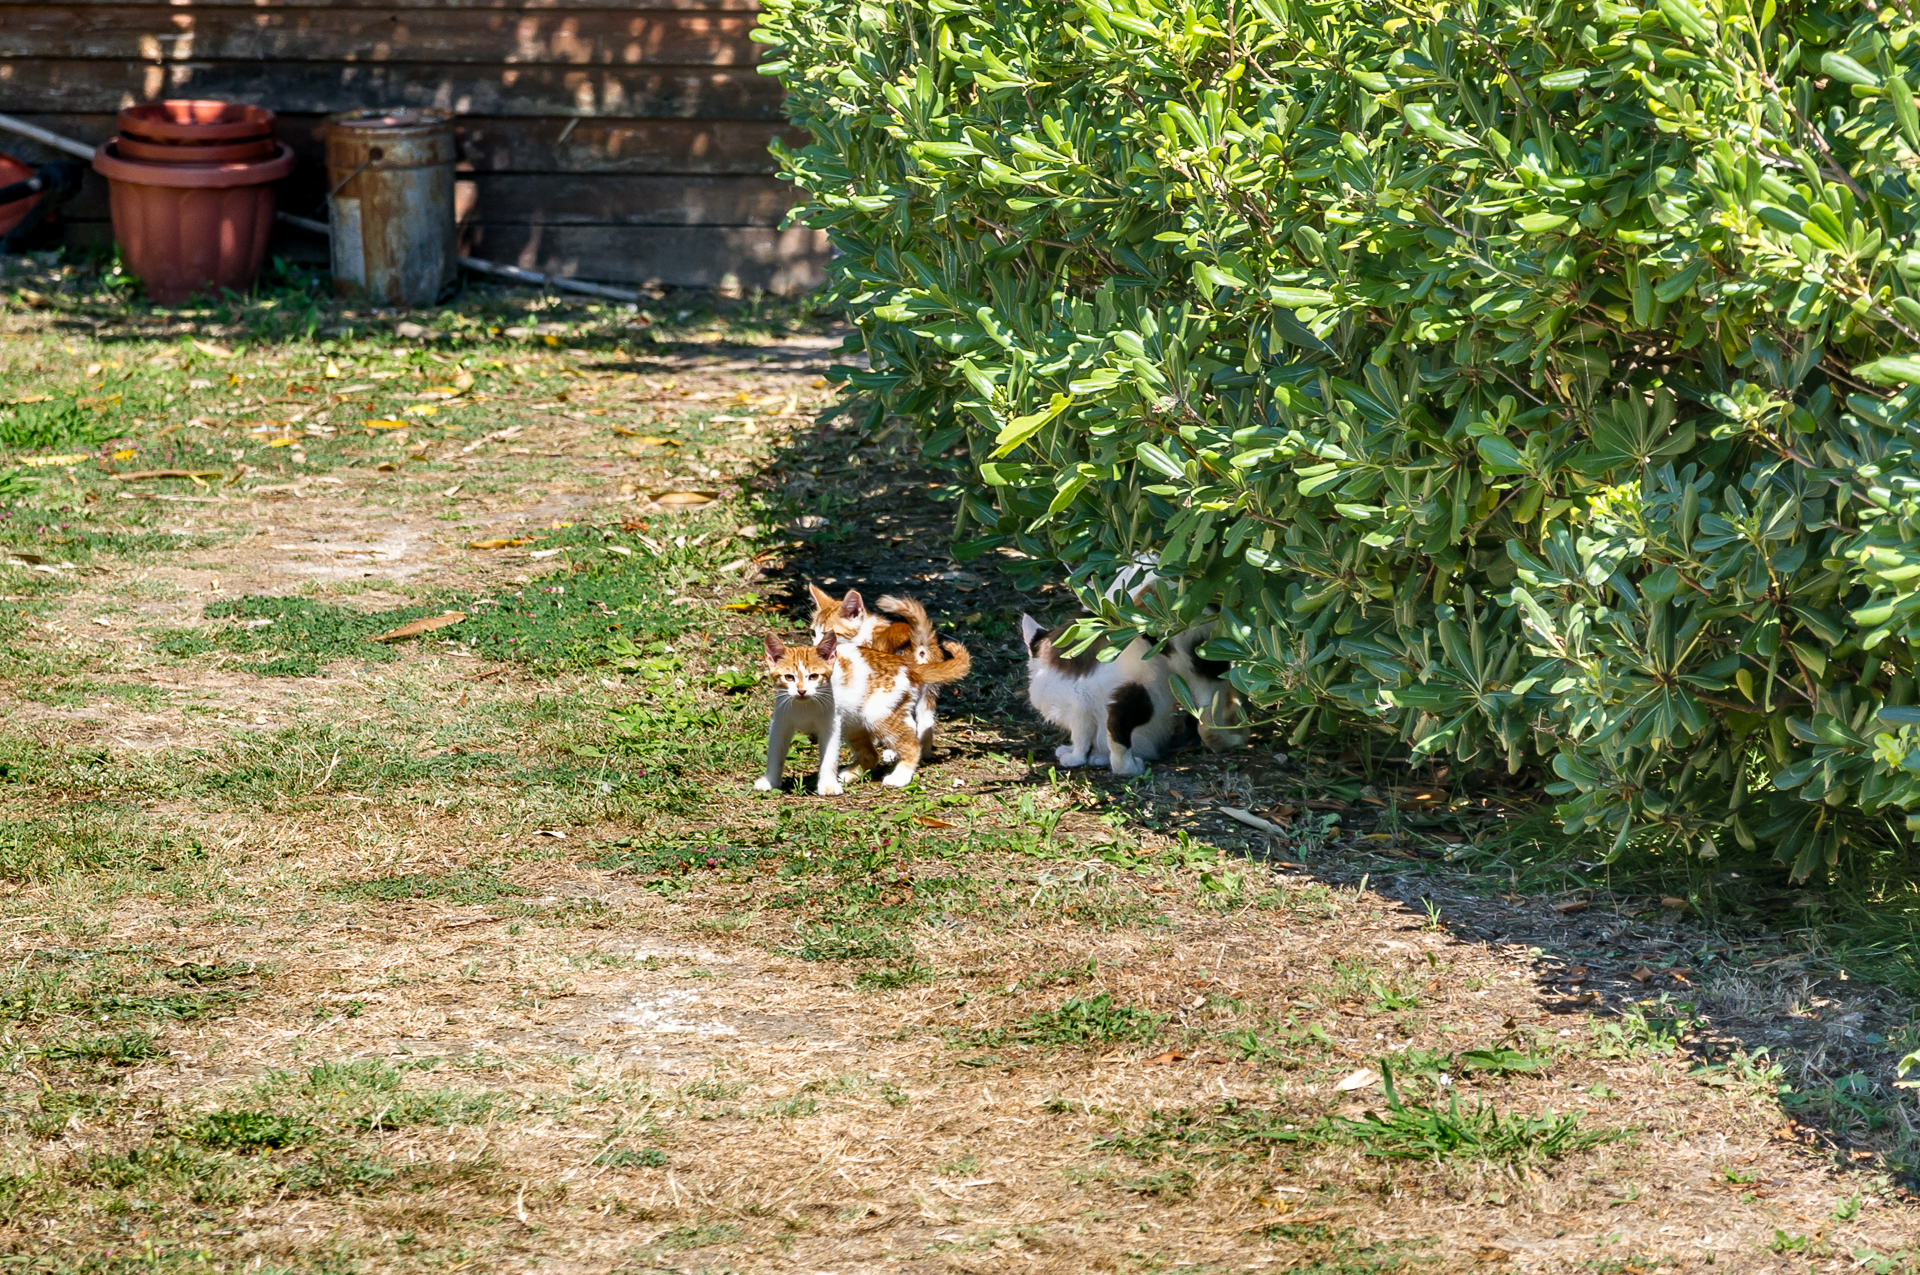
column 332, row 948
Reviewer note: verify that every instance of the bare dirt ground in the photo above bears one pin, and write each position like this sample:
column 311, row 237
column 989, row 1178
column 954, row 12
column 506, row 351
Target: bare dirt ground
column 473, row 950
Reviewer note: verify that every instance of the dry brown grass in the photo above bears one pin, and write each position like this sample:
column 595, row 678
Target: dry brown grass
column 528, row 1054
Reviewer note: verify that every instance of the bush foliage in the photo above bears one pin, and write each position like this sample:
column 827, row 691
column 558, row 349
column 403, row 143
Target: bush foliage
column 1526, row 378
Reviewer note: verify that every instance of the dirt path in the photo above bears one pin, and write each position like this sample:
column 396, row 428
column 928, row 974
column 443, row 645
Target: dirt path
column 473, row 950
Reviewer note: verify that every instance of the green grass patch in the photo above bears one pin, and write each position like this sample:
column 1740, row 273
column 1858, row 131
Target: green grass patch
column 1400, row 1131
column 839, row 941
column 1078, row 1021
column 608, row 609
column 248, row 1132
column 473, row 885
column 121, row 1050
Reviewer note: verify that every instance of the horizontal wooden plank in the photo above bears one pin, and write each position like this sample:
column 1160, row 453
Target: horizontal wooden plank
column 622, row 146
column 69, row 85
column 622, row 201
column 783, row 261
column 470, row 6
column 492, row 144
column 588, row 37
column 536, row 199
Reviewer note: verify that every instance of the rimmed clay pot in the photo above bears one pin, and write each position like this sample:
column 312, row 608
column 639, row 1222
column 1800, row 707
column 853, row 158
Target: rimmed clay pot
column 191, row 153
column 191, row 228
column 181, row 120
column 11, row 215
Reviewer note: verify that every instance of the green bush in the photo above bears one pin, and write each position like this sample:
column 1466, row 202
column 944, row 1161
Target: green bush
column 1524, row 379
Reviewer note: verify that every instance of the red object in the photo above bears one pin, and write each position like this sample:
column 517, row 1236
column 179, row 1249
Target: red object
column 11, row 215
column 190, row 153
column 201, row 122
column 191, row 228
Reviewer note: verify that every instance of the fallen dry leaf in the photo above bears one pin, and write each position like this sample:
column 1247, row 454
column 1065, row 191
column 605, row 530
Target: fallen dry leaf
column 417, row 627
column 214, row 351
column 1586, row 998
column 469, row 920
column 1641, row 975
column 384, row 424
column 499, row 542
column 1673, row 903
column 1359, row 1080
column 1571, row 906
column 928, row 821
column 72, row 458
column 686, row 497
column 1252, row 820
column 1171, row 1056
column 195, row 474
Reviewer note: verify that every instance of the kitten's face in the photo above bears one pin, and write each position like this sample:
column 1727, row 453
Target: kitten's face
column 797, row 671
column 845, row 617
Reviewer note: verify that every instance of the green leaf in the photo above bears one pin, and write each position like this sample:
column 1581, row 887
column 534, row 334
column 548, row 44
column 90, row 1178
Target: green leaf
column 1843, row 68
column 1021, row 428
column 1537, row 223
column 1151, row 456
column 1892, row 370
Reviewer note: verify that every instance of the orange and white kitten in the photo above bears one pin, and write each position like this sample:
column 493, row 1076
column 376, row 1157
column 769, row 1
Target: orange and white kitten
column 924, row 647
column 848, row 619
column 803, row 705
column 879, row 692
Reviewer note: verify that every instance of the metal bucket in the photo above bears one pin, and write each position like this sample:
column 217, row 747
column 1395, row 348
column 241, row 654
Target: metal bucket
column 390, row 174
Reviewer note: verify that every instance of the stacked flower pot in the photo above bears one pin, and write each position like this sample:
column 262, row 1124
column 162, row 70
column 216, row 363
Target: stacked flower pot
column 191, row 188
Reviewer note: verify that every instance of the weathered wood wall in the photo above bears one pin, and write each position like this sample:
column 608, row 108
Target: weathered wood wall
column 618, row 144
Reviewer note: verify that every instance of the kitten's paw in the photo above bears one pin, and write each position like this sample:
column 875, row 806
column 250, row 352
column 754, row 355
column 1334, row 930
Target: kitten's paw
column 1096, row 759
column 899, row 777
column 1070, row 756
column 1129, row 766
column 764, row 784
column 888, row 756
column 828, row 787
column 850, row 774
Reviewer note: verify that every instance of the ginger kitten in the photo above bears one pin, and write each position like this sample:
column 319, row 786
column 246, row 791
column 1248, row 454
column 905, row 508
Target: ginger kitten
column 803, row 705
column 849, row 619
column 880, row 693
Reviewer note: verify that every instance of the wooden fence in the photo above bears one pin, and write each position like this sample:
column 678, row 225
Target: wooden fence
column 627, row 145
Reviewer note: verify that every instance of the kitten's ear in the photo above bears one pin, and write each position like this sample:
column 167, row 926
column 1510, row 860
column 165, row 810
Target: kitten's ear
column 1030, row 629
column 821, row 598
column 828, row 645
column 775, row 650
column 851, row 606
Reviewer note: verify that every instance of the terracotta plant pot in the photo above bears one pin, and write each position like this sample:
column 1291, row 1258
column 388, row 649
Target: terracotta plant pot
column 189, row 153
column 200, row 122
column 191, row 228
column 11, row 215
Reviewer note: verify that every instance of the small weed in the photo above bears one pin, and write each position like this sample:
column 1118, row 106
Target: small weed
column 841, row 942
column 1167, row 1184
column 892, row 980
column 1651, row 1028
column 681, row 1237
column 248, row 1131
column 650, row 1158
column 471, row 886
column 963, row 1167
column 1090, row 1020
column 122, row 1050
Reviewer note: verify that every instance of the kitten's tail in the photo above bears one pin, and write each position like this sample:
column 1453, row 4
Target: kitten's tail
column 956, row 666
column 914, row 614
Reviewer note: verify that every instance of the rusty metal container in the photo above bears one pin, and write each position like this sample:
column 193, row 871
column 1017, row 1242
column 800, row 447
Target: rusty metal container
column 390, row 178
